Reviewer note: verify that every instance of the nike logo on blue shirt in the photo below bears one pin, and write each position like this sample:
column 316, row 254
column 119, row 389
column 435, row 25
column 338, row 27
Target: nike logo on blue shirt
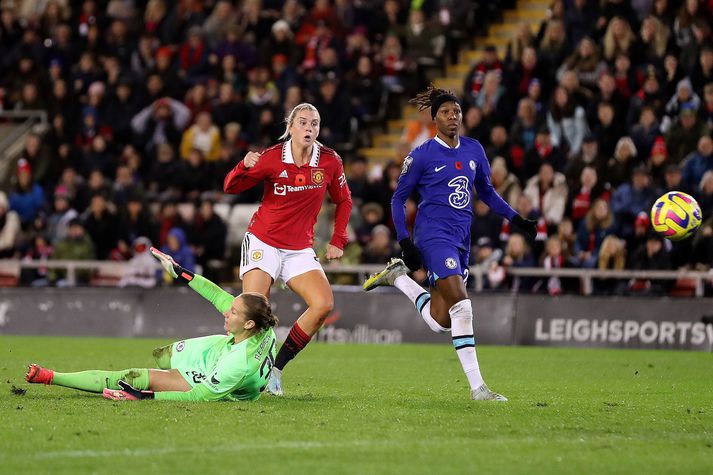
column 438, row 169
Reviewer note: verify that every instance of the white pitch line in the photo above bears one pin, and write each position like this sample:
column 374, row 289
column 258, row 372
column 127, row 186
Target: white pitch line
column 147, row 452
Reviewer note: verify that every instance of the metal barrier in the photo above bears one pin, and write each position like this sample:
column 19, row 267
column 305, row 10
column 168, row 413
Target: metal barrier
column 362, row 271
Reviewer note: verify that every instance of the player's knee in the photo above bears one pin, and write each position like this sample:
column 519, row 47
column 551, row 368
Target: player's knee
column 162, row 356
column 322, row 307
column 461, row 310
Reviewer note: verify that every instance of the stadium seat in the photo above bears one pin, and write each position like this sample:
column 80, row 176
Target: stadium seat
column 240, row 216
column 187, row 211
column 222, row 210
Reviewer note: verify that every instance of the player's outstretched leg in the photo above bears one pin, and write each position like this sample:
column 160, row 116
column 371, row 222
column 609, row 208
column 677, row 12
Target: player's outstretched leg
column 394, row 269
column 274, row 382
column 36, row 374
column 464, row 342
column 396, row 274
column 93, row 380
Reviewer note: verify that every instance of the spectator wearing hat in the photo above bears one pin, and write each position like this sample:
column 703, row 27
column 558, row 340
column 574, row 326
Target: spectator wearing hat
column 642, row 226
column 633, row 197
column 682, row 137
column 141, row 268
column 381, row 247
column 684, row 97
column 280, row 41
column 698, row 162
column 77, row 246
column 658, row 160
column 9, row 228
column 62, row 214
column 28, row 198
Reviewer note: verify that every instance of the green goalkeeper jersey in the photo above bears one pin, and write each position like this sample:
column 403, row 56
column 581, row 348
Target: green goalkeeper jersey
column 216, row 367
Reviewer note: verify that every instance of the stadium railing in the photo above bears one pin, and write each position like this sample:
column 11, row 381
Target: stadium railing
column 14, row 127
column 107, row 273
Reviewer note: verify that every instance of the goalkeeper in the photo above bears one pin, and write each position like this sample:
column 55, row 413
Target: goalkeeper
column 210, row 368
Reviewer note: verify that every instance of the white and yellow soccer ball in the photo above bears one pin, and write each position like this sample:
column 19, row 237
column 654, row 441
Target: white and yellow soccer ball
column 676, row 215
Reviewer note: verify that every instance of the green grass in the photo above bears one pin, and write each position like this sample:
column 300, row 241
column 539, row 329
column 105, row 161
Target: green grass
column 372, row 409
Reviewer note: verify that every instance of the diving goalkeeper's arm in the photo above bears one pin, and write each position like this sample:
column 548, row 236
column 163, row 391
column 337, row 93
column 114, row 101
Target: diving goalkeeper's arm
column 220, row 299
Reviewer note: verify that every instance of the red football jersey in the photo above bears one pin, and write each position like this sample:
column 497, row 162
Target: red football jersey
column 293, row 195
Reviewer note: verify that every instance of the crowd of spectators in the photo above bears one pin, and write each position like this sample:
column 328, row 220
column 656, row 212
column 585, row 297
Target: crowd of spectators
column 586, row 121
column 151, row 103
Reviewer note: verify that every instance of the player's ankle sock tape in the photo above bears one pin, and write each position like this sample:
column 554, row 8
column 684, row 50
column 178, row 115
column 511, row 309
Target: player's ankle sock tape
column 296, row 340
column 96, row 380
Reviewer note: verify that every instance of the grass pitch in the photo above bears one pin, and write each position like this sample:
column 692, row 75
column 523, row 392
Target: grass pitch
column 371, row 409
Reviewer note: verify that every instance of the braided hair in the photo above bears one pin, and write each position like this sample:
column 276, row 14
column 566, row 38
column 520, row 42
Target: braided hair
column 432, row 97
column 258, row 310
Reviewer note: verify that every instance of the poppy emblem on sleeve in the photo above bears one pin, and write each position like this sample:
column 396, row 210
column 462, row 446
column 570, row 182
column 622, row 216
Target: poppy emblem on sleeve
column 318, row 176
column 459, row 166
column 256, row 255
column 300, row 180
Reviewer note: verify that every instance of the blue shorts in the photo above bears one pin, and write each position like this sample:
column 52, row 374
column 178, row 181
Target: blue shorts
column 443, row 259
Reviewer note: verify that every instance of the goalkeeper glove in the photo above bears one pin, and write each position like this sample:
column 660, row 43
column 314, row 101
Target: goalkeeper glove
column 410, row 254
column 173, row 269
column 527, row 226
column 127, row 393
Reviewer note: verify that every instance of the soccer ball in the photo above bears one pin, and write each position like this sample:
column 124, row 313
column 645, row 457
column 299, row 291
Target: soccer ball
column 676, row 215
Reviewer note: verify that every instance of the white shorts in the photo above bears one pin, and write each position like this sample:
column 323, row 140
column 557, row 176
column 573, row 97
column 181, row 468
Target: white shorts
column 282, row 264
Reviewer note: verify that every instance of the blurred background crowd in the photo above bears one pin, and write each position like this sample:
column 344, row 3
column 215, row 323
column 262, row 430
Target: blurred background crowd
column 586, row 121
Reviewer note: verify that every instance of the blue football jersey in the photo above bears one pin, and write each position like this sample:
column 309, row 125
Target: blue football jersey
column 444, row 178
